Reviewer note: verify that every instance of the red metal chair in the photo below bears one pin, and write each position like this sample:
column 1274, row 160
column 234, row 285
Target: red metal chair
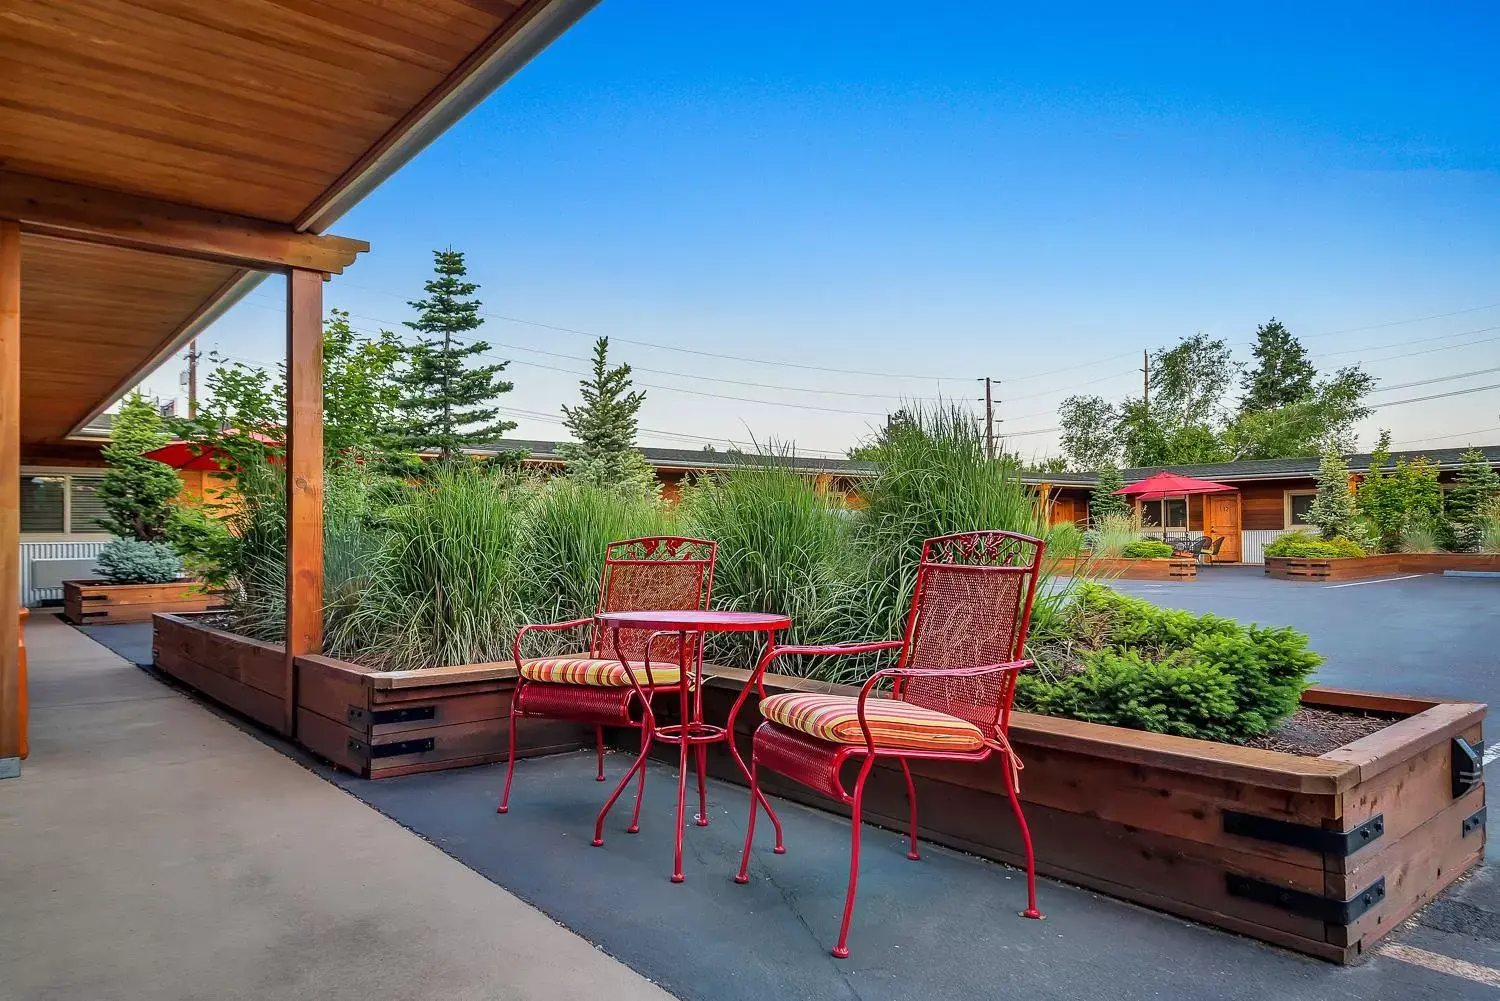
column 950, row 695
column 614, row 687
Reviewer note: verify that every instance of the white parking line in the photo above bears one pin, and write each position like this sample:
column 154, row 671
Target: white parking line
column 1438, row 963
column 1381, row 580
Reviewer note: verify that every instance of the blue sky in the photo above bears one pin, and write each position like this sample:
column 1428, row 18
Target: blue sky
column 903, row 198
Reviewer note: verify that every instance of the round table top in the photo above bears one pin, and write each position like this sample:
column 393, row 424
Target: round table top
column 697, row 620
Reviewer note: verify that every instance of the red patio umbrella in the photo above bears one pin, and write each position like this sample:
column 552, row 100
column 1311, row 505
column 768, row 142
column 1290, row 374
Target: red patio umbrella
column 192, row 455
column 1160, row 486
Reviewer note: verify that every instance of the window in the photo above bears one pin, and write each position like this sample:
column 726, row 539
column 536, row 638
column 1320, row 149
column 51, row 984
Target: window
column 1170, row 513
column 1298, row 504
column 60, row 504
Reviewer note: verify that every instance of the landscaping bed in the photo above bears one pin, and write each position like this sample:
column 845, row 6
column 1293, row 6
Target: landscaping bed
column 1322, row 854
column 1169, row 568
column 250, row 676
column 1383, row 565
column 95, row 602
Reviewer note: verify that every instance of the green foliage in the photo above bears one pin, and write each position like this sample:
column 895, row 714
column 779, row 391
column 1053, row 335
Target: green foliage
column 1333, row 513
column 1302, row 545
column 1476, row 489
column 1090, row 433
column 130, row 561
column 1065, row 539
column 447, row 405
column 1421, row 535
column 1112, row 533
column 1405, row 502
column 1122, row 661
column 138, row 493
column 1146, row 549
column 604, row 453
column 1281, row 375
column 360, row 395
column 1324, row 418
column 1103, row 501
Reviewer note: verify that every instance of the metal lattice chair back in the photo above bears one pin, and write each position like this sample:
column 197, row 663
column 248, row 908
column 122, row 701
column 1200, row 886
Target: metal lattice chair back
column 659, row 573
column 971, row 608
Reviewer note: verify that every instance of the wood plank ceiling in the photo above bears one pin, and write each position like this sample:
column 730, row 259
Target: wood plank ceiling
column 262, row 108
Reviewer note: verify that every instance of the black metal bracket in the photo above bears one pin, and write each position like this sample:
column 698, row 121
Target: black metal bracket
column 360, row 716
column 1339, row 844
column 95, row 615
column 93, row 597
column 1474, row 822
column 363, row 750
column 1468, row 765
column 1331, row 910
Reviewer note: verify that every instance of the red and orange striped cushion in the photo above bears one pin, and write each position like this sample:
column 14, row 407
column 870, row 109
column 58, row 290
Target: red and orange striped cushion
column 602, row 673
column 894, row 725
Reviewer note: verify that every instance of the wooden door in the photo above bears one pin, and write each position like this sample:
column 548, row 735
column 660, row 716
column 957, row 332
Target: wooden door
column 1224, row 520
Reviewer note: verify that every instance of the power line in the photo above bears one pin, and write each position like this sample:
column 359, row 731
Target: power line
column 1400, row 323
column 1447, row 437
column 1436, row 396
column 1440, row 378
column 1418, row 340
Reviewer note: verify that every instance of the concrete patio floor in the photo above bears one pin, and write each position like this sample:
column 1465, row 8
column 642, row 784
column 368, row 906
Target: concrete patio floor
column 153, row 849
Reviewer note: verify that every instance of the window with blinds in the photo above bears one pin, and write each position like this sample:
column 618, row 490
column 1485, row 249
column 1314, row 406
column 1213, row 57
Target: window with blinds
column 43, row 499
column 84, row 506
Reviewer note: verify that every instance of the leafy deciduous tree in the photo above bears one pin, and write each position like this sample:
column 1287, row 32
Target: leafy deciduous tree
column 1090, row 432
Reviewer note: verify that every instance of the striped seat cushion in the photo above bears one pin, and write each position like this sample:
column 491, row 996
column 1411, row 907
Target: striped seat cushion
column 894, row 725
column 602, row 673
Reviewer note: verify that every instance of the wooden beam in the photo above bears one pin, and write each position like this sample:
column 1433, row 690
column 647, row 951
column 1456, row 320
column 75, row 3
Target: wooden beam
column 10, row 498
column 304, row 475
column 96, row 215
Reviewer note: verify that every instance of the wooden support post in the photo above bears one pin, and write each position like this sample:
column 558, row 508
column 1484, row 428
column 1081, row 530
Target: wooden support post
column 304, row 475
column 11, row 722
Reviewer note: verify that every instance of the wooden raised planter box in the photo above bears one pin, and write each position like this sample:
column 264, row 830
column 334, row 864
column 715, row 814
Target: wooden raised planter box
column 1383, row 565
column 246, row 675
column 1323, row 855
column 93, row 602
column 381, row 724
column 375, row 724
column 1166, row 568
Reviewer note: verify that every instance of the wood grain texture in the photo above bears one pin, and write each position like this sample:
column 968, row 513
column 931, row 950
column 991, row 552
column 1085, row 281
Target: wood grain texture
column 10, row 488
column 304, row 473
column 95, row 215
column 1175, row 568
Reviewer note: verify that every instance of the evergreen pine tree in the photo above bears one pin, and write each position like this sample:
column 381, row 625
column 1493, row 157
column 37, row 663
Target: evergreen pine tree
column 1282, row 373
column 1332, row 512
column 1474, row 491
column 1104, row 501
column 446, row 403
column 137, row 492
column 604, row 427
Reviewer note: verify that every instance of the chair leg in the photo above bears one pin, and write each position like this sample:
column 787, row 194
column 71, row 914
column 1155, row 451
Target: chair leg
column 911, row 800
column 599, row 741
column 841, row 951
column 1015, row 805
column 638, row 765
column 744, row 873
column 701, row 753
column 510, row 765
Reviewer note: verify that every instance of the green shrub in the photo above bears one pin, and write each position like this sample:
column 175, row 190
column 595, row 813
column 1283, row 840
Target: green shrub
column 1305, row 546
column 1113, row 533
column 127, row 561
column 1146, row 549
column 1064, row 540
column 1125, row 662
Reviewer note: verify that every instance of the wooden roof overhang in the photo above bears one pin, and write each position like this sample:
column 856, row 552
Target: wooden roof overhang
column 162, row 156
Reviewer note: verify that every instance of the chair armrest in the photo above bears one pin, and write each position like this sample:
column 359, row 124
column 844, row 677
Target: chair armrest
column 550, row 627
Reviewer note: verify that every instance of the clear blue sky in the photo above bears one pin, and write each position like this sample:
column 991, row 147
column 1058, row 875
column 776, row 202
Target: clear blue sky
column 950, row 190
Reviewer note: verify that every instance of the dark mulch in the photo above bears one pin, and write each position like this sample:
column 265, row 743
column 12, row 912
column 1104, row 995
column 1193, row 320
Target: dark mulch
column 1313, row 732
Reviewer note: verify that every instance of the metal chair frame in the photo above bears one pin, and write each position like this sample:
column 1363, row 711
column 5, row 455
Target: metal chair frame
column 817, row 763
column 628, row 706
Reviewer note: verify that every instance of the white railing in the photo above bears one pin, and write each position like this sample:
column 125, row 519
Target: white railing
column 31, row 596
column 1254, row 543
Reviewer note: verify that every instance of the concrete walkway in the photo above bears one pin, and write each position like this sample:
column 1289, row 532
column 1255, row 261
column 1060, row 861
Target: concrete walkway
column 153, row 850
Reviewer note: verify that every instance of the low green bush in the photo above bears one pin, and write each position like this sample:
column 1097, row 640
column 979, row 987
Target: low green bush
column 1305, row 546
column 126, row 561
column 1146, row 549
column 1065, row 539
column 1124, row 662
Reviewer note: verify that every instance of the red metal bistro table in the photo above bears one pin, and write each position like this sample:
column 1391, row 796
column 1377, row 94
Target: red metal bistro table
column 692, row 732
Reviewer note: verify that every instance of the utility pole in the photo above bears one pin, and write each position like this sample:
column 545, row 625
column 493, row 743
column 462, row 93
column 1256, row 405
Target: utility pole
column 193, row 378
column 989, row 418
column 1146, row 378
